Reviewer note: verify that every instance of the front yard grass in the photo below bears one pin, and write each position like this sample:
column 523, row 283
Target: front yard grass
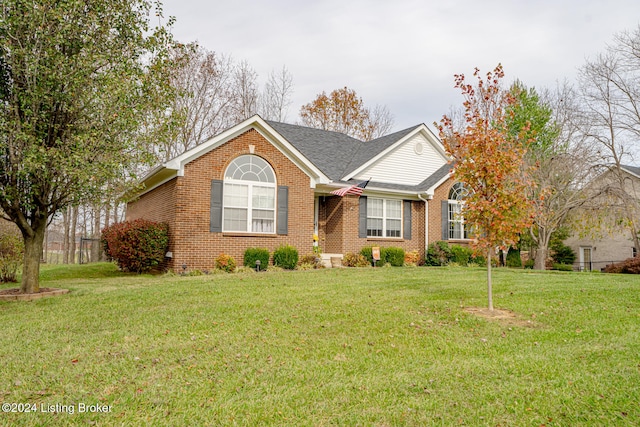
column 383, row 347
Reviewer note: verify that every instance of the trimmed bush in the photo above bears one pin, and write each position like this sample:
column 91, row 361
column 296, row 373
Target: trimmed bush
column 226, row 263
column 367, row 252
column 251, row 255
column 393, row 255
column 461, row 255
column 137, row 246
column 11, row 256
column 355, row 260
column 286, row 257
column 412, row 258
column 438, row 253
column 629, row 266
column 562, row 267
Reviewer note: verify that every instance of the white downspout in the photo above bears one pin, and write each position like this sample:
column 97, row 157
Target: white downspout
column 426, row 219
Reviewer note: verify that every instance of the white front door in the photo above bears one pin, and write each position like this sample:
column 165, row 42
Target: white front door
column 585, row 259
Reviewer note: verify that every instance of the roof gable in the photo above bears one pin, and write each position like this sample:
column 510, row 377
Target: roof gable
column 175, row 167
column 407, row 157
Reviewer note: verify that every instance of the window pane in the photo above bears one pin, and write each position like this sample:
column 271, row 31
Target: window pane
column 262, row 221
column 374, row 227
column 374, row 208
column 263, row 197
column 394, row 209
column 236, row 195
column 250, row 168
column 393, row 227
column 235, row 219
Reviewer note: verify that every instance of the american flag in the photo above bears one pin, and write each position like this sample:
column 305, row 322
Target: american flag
column 355, row 190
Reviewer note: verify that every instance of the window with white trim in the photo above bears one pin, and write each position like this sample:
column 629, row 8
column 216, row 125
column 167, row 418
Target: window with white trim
column 457, row 227
column 249, row 203
column 384, row 217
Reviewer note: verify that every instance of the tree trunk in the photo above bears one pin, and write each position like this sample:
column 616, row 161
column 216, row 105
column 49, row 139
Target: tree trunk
column 489, row 285
column 541, row 259
column 33, row 245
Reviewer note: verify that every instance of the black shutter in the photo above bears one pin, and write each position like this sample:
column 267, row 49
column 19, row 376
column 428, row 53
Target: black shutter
column 406, row 234
column 215, row 225
column 362, row 217
column 445, row 219
column 283, row 210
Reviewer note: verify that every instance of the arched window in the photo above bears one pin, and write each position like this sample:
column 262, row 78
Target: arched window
column 249, row 196
column 457, row 227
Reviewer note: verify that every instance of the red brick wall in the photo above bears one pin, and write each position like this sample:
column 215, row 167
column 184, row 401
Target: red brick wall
column 191, row 241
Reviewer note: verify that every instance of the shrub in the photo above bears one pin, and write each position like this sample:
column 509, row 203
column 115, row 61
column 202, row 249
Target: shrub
column 393, row 255
column 367, row 252
column 562, row 267
column 311, row 259
column 226, row 263
column 306, row 266
column 11, row 256
column 438, row 253
column 137, row 246
column 251, row 255
column 412, row 258
column 529, row 264
column 461, row 255
column 563, row 254
column 355, row 260
column 286, row 257
column 513, row 258
column 629, row 266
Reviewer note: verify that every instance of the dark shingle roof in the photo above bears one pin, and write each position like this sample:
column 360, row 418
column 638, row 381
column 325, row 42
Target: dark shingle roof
column 633, row 169
column 329, row 151
column 334, row 153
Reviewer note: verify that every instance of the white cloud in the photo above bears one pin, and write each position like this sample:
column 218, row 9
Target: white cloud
column 403, row 54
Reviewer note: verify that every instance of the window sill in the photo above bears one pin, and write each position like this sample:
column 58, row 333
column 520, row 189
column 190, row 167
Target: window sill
column 237, row 234
column 385, row 239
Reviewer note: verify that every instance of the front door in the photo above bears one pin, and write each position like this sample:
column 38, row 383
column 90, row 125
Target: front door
column 585, row 259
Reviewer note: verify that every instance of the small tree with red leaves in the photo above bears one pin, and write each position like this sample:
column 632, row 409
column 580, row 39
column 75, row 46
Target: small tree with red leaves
column 490, row 163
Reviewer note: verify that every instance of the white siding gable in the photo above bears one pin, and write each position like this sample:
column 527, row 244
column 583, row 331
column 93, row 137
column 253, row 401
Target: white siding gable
column 404, row 165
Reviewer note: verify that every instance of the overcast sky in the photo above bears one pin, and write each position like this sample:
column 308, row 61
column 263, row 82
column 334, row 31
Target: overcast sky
column 402, row 53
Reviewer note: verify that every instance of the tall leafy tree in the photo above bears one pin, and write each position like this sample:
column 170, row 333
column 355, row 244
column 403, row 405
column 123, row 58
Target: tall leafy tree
column 490, row 162
column 344, row 111
column 560, row 161
column 78, row 78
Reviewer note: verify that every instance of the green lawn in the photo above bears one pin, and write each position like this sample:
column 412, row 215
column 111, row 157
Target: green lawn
column 383, row 347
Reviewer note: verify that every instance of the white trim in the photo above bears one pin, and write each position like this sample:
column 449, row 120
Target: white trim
column 177, row 164
column 422, row 128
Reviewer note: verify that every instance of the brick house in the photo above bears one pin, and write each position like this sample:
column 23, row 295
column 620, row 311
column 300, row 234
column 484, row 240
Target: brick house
column 265, row 184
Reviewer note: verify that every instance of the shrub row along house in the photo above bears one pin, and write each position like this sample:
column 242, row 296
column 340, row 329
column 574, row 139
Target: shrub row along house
column 266, row 184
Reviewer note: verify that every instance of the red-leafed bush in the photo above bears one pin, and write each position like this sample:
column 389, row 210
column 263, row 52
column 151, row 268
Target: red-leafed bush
column 137, row 246
column 628, row 266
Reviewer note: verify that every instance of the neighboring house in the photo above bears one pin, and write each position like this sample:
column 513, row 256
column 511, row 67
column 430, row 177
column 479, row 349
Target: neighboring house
column 616, row 243
column 265, row 184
